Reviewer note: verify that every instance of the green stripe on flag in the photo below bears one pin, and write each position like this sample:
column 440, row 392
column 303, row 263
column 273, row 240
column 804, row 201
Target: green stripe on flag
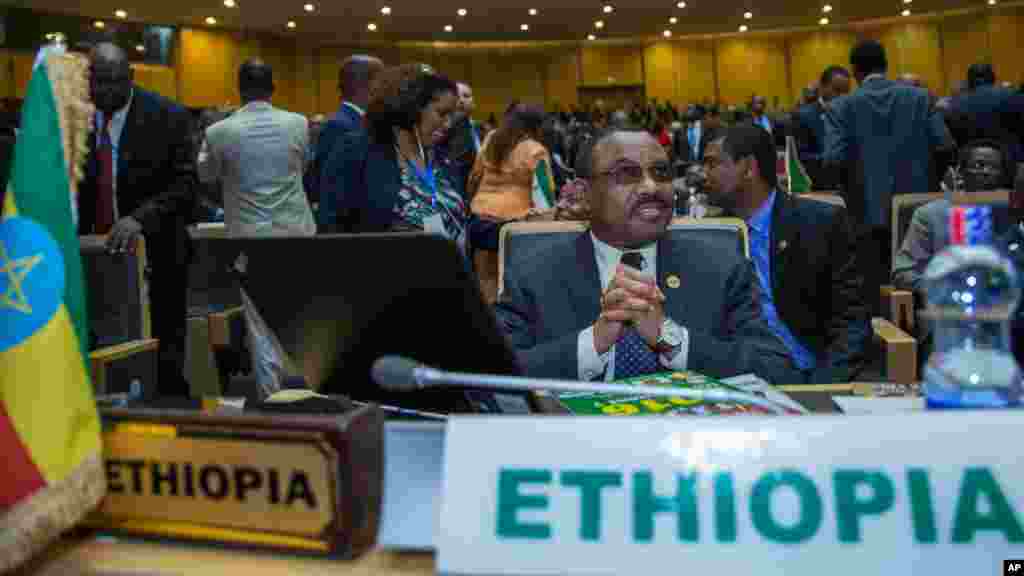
column 543, row 186
column 799, row 181
column 41, row 191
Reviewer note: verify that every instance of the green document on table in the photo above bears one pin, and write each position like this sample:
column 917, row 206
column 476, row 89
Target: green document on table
column 583, row 404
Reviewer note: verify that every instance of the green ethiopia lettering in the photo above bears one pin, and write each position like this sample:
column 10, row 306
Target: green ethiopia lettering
column 861, row 497
column 210, row 482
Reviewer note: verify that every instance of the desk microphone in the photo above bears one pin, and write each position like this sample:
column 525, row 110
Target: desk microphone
column 398, row 374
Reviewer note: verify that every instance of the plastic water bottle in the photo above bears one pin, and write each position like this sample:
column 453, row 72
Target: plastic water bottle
column 972, row 293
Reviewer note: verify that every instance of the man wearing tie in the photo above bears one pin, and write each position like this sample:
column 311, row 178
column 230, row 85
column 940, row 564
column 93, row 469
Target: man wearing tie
column 139, row 180
column 803, row 254
column 624, row 298
column 702, row 129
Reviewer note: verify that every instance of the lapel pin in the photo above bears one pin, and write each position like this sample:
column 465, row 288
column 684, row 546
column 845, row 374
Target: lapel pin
column 783, row 245
column 673, row 281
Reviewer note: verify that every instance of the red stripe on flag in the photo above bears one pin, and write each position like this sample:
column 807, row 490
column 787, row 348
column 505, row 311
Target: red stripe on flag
column 21, row 476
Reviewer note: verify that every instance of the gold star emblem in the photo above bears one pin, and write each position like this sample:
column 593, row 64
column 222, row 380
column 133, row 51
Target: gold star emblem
column 16, row 270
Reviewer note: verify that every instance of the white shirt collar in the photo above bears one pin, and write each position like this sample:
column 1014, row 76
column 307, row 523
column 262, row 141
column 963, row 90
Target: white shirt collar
column 608, row 258
column 872, row 77
column 358, row 110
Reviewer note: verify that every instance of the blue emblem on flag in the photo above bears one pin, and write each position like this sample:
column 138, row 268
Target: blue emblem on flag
column 31, row 280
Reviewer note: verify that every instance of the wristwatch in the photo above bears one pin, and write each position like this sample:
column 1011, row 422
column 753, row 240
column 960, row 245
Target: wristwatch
column 670, row 341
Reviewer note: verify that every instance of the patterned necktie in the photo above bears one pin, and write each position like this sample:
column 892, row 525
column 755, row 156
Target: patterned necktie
column 632, row 355
column 105, row 181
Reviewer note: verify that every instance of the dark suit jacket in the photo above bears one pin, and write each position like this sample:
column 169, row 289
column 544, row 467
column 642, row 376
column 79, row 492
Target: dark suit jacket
column 368, row 193
column 990, row 112
column 816, row 285
column 681, row 143
column 332, row 159
column 155, row 176
column 554, row 294
column 808, row 129
column 882, row 136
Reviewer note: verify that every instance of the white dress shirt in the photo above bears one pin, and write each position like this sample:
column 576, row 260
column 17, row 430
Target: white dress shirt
column 114, row 130
column 591, row 364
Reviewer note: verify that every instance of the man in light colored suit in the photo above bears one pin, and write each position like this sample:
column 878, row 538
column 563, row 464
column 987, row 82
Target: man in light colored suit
column 258, row 154
column 883, row 137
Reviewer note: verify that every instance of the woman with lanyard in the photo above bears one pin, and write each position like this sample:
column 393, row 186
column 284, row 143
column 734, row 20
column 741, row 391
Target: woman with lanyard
column 398, row 185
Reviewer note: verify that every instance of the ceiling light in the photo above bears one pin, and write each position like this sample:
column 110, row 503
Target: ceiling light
column 743, row 28
column 140, row 48
column 229, row 3
column 591, row 37
column 309, row 7
column 533, row 11
column 99, row 24
column 524, row 27
column 826, row 8
column 905, row 13
column 991, row 2
column 121, row 14
column 449, row 28
column 748, row 15
column 823, row 21
column 907, row 1
column 667, row 33
column 292, row 24
column 673, row 20
column 371, row 27
column 680, row 4
column 462, row 12
column 211, row 20
column 385, row 10
column 608, row 8
column 599, row 24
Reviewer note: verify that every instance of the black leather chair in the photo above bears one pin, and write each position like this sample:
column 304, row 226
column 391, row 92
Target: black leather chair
column 121, row 347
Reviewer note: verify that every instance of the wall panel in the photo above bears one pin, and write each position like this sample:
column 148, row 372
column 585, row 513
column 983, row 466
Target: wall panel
column 913, row 48
column 561, row 76
column 811, row 53
column 752, row 65
column 604, row 65
column 660, row 71
column 160, row 79
column 964, row 42
column 1006, row 30
column 207, row 69
column 695, row 72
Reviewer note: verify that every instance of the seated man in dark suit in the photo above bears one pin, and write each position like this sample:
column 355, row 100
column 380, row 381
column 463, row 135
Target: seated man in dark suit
column 803, row 254
column 625, row 299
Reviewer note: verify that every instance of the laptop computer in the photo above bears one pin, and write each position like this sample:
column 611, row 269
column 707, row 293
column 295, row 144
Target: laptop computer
column 337, row 303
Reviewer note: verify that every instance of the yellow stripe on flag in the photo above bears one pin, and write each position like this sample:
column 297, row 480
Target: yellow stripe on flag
column 60, row 431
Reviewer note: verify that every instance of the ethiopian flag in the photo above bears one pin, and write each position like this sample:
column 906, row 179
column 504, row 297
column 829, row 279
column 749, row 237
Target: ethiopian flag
column 49, row 428
column 799, row 181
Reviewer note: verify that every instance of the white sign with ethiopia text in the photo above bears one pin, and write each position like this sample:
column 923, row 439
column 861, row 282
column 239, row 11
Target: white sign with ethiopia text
column 930, row 493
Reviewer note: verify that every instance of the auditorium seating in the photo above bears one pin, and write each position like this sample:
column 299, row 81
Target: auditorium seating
column 121, row 347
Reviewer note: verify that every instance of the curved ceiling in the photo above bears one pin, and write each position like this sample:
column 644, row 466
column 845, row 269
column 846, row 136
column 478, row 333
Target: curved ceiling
column 342, row 22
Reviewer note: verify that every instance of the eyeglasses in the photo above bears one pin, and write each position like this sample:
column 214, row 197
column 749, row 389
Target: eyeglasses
column 633, row 174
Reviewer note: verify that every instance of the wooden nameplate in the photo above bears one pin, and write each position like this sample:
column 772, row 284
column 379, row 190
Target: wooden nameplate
column 303, row 483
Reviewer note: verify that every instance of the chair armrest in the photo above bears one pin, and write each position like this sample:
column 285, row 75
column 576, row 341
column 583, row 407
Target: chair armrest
column 101, row 359
column 220, row 327
column 900, row 305
column 900, row 351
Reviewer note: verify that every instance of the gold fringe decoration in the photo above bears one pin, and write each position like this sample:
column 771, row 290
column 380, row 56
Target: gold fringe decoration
column 69, row 82
column 31, row 525
column 28, row 527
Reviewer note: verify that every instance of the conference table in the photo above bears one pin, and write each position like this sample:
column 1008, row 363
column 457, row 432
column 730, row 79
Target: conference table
column 87, row 552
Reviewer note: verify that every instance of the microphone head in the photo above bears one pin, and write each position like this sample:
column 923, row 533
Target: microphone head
column 395, row 373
